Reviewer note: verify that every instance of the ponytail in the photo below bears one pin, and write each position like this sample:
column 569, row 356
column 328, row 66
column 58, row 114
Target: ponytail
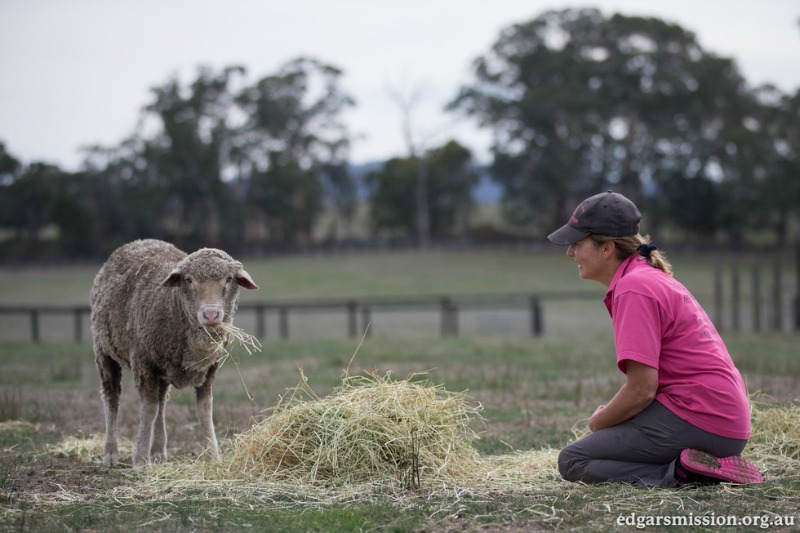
column 633, row 244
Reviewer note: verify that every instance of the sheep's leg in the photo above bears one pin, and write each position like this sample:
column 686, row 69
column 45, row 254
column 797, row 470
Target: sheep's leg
column 205, row 403
column 148, row 412
column 110, row 390
column 158, row 450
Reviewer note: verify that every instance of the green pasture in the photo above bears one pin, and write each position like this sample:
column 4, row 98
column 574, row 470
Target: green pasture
column 534, row 393
column 391, row 273
column 412, row 273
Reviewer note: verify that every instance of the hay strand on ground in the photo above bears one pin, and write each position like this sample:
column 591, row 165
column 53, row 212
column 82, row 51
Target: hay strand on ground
column 775, row 437
column 87, row 448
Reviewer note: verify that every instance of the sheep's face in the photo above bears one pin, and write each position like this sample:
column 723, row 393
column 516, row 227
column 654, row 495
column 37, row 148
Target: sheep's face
column 209, row 282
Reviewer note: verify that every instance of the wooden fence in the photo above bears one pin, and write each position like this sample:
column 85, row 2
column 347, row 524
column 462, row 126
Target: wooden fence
column 766, row 298
column 357, row 310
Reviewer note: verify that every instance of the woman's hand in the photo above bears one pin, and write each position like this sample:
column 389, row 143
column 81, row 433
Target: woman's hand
column 637, row 393
column 593, row 419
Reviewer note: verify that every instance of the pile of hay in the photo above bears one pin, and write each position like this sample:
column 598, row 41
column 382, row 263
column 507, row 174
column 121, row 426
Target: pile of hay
column 369, row 428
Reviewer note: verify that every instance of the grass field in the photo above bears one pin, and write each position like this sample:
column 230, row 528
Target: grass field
column 534, row 392
column 393, row 273
column 409, row 273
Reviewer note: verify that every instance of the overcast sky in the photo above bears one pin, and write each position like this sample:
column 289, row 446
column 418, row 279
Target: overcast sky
column 77, row 72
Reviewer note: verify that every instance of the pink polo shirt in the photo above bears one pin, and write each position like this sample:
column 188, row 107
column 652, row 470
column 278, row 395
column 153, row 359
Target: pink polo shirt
column 657, row 322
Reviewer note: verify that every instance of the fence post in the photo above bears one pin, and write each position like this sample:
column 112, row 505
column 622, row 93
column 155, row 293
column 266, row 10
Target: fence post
column 261, row 326
column 777, row 300
column 352, row 319
column 797, row 289
column 797, row 312
column 449, row 318
column 35, row 325
column 77, row 313
column 756, row 297
column 283, row 321
column 718, row 322
column 735, row 296
column 536, row 316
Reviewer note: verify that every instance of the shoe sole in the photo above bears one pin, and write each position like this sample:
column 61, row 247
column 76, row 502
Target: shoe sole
column 734, row 469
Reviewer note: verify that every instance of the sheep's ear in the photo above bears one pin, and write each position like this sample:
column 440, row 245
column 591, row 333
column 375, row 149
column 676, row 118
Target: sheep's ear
column 244, row 279
column 173, row 280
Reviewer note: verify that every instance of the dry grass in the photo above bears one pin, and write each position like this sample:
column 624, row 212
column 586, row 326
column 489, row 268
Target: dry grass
column 378, row 437
column 17, row 425
column 775, row 439
column 376, row 441
column 88, row 449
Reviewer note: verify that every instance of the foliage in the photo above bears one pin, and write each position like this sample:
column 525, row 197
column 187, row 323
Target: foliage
column 577, row 101
column 450, row 177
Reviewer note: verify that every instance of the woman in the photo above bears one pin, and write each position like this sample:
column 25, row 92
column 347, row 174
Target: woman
column 682, row 415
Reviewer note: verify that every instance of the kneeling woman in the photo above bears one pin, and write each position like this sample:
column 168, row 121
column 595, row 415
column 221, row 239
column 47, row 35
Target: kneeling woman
column 682, row 415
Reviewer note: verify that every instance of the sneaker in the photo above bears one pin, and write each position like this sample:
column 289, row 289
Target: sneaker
column 695, row 465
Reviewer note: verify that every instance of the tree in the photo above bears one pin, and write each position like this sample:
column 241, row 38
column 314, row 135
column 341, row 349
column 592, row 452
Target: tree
column 9, row 166
column 189, row 153
column 407, row 104
column 9, row 171
column 72, row 212
column 579, row 102
column 295, row 146
column 393, row 196
column 450, row 179
column 28, row 200
column 776, row 150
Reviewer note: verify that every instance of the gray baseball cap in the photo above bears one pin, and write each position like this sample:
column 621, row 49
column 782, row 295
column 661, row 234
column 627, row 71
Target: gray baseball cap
column 608, row 213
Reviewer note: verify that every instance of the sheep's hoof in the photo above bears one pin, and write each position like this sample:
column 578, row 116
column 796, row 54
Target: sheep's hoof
column 110, row 459
column 158, row 456
column 140, row 462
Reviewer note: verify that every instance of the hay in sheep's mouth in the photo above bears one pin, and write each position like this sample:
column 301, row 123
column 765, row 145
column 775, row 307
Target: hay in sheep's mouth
column 214, row 348
column 225, row 333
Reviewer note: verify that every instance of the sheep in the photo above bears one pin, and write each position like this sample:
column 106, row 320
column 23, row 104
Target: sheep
column 150, row 306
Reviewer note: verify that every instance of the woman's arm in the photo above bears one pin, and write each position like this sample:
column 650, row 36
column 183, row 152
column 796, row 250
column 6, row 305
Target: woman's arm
column 637, row 393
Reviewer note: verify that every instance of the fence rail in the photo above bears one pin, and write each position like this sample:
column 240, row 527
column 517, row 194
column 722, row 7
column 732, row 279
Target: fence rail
column 358, row 311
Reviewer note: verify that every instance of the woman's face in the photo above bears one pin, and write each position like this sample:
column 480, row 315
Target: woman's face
column 595, row 261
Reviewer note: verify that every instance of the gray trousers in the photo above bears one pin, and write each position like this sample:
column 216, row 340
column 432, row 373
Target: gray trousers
column 642, row 450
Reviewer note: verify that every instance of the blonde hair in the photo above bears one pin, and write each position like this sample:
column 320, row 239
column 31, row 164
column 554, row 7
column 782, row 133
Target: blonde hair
column 627, row 246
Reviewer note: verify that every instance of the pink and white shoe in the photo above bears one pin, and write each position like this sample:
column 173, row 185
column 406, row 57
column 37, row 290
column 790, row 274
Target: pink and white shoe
column 695, row 465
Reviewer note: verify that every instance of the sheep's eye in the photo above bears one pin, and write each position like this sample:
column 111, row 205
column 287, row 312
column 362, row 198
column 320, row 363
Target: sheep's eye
column 188, row 281
column 229, row 280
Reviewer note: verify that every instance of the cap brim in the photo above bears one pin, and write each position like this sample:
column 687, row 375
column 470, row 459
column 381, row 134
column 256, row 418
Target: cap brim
column 566, row 235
